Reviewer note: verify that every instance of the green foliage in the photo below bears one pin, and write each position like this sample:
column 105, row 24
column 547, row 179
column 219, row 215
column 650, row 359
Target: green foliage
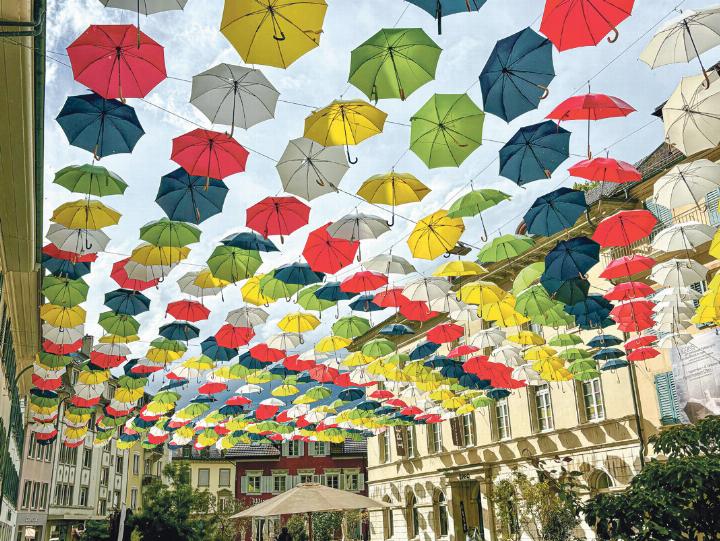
column 325, row 525
column 96, row 530
column 675, row 498
column 297, row 527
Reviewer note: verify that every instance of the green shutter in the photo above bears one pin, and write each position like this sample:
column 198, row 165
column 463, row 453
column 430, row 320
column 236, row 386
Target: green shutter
column 663, row 214
column 667, row 398
column 711, row 202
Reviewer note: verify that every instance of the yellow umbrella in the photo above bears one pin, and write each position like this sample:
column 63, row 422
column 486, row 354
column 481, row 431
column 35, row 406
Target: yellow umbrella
column 527, row 338
column 202, row 362
column 93, row 377
column 123, row 394
column 237, row 423
column 705, row 315
column 273, row 32
column 442, row 394
column 114, row 339
column 480, row 293
column 84, row 214
column 344, row 123
column 714, row 249
column 252, row 294
column 147, row 254
column 539, row 353
column 59, row 316
column 285, row 390
column 356, row 358
column 453, row 269
column 453, row 403
column 464, row 409
column 332, row 343
column 304, row 399
column 435, row 235
column 75, row 433
column 158, row 407
column 259, row 377
column 298, row 322
column 393, row 189
column 162, row 356
column 416, row 370
column 207, row 438
column 380, row 367
column 494, row 311
column 513, row 319
column 206, row 280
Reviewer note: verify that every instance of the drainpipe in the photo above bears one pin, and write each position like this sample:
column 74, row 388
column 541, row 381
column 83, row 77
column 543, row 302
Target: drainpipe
column 638, row 418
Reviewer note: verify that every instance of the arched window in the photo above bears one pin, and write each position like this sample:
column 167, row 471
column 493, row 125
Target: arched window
column 413, row 516
column 600, row 481
column 388, row 519
column 442, row 513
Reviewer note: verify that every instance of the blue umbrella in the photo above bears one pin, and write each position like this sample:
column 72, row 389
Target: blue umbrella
column 534, row 152
column 186, row 198
column 203, row 399
column 174, row 384
column 249, row 240
column 591, row 313
column 396, row 329
column 614, row 364
column 497, row 394
column 385, row 410
column 555, row 211
column 438, row 362
column 350, row 394
column 440, row 8
column 179, row 330
column 231, row 410
column 248, row 361
column 368, row 405
column 304, row 377
column 103, row 127
column 516, row 76
column 607, row 354
column 298, row 274
column 279, row 369
column 330, row 291
column 65, row 268
column 364, row 303
column 570, row 291
column 572, row 258
column 424, row 350
column 604, row 341
column 127, row 302
column 471, row 381
column 454, row 370
column 210, row 348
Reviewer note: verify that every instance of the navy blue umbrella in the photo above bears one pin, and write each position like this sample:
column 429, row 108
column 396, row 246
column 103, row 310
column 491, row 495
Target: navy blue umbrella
column 614, row 364
column 65, row 268
column 570, row 291
column 330, row 291
column 279, row 369
column 248, row 361
column 368, row 405
column 607, row 354
column 396, row 329
column 187, row 198
column 424, row 350
column 203, row 399
column 103, row 127
column 604, row 341
column 555, row 211
column 231, row 410
column 179, row 330
column 174, row 384
column 298, row 274
column 453, row 370
column 249, row 240
column 471, row 381
column 364, row 303
column 591, row 313
column 497, row 394
column 438, row 361
column 210, row 348
column 127, row 302
column 350, row 394
column 534, row 152
column 516, row 76
column 440, row 8
column 572, row 258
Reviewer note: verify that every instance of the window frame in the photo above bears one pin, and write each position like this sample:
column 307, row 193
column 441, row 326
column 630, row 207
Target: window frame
column 593, row 400
column 201, row 472
column 502, row 419
column 544, row 409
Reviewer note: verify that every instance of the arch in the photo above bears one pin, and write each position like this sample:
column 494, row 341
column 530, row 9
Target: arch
column 412, row 516
column 442, row 521
column 600, row 481
column 388, row 520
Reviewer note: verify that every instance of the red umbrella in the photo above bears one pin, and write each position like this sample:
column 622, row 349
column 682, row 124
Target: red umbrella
column 475, row 364
column 624, row 228
column 344, row 380
column 277, row 216
column 632, row 309
column 325, row 253
column 381, row 394
column 145, row 369
column 643, row 354
column 395, row 403
column 117, row 61
column 233, row 337
column 57, row 253
column 640, row 342
column 390, row 298
column 62, row 349
column 627, row 266
column 119, row 274
column 192, row 311
column 212, row 387
column 363, row 281
column 635, row 325
column 605, row 170
column 266, row 354
column 463, row 350
column 417, row 311
column 294, row 362
column 445, row 332
column 582, row 23
column 46, row 384
column 106, row 361
column 206, row 153
column 323, row 373
column 238, row 400
column 628, row 290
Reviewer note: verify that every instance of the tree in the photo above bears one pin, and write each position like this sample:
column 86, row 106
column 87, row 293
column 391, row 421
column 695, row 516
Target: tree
column 96, row 530
column 674, row 497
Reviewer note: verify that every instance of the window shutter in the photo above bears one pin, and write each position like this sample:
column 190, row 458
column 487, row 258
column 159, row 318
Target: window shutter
column 244, row 484
column 289, row 482
column 667, row 398
column 361, row 482
column 311, row 449
column 301, row 448
column 711, row 202
column 456, row 432
column 284, row 448
column 266, row 483
column 400, row 441
column 663, row 214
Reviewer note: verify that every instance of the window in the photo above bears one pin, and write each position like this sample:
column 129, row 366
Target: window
column 306, row 477
column 352, row 482
column 27, row 488
column 87, row 458
column 63, row 494
column 254, row 484
column 136, row 463
column 102, row 508
column 104, row 477
column 442, row 514
column 668, row 405
column 600, row 481
column 35, row 496
column 711, row 205
column 434, row 431
column 502, row 417
column 411, row 447
column 317, row 448
column 33, row 444
column 413, row 516
column 148, row 467
column 332, row 480
column 663, row 214
column 593, row 400
column 116, row 499
column 68, row 456
column 543, row 407
column 384, row 442
column 44, row 496
column 468, row 429
column 133, row 498
column 293, row 448
column 388, row 519
column 279, row 483
column 119, row 465
column 203, row 477
column 83, row 496
column 224, row 477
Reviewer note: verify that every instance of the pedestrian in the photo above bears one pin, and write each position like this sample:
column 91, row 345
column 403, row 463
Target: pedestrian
column 284, row 535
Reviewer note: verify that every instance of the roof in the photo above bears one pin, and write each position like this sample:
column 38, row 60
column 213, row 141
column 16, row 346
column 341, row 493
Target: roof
column 349, row 447
column 247, row 450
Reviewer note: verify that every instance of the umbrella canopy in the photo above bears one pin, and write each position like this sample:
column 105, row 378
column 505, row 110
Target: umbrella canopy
column 528, row 276
column 389, row 264
column 145, row 7
column 624, row 228
column 358, row 226
column 591, row 313
column 81, row 242
column 690, row 115
column 504, row 248
column 64, row 292
column 209, row 153
column 605, row 170
column 234, row 96
column 85, row 214
column 103, row 127
column 435, row 235
column 308, row 169
column 517, row 74
column 555, row 211
column 678, row 273
column 273, row 32
column 247, row 240
column 120, row 275
column 684, row 236
column 393, row 189
column 440, row 8
column 627, row 266
column 90, row 180
column 117, row 61
column 328, row 254
column 687, row 184
column 572, row 258
column 191, row 311
column 233, row 264
column 168, row 233
column 189, row 198
column 446, row 130
column 127, row 302
column 394, row 63
column 590, row 107
column 277, row 216
column 534, row 152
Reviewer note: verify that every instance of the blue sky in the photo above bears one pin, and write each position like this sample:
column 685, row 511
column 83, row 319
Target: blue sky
column 193, row 43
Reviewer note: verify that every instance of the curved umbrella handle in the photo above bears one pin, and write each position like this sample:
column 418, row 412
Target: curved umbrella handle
column 484, row 236
column 95, row 153
column 350, row 159
column 706, row 84
column 546, row 91
column 88, row 244
column 279, row 38
column 614, row 37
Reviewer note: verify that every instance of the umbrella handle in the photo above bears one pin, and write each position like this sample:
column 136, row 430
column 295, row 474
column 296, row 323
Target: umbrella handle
column 706, row 84
column 614, row 37
column 95, row 154
column 279, row 38
column 548, row 174
column 350, row 159
column 392, row 220
column 546, row 91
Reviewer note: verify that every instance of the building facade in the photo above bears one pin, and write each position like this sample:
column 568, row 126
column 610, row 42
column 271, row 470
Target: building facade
column 211, row 472
column 439, row 478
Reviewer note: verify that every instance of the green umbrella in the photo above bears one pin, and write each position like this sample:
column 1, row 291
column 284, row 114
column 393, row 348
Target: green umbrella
column 565, row 340
column 276, row 289
column 119, row 324
column 166, row 232
column 44, row 401
column 233, row 264
column 534, row 301
column 168, row 345
column 53, row 362
column 378, row 348
column 482, row 401
column 394, row 63
column 528, row 276
column 474, row 203
column 64, row 292
column 90, row 180
column 193, row 410
column 399, row 359
column 127, row 382
column 555, row 317
column 318, row 393
column 351, row 326
column 446, row 130
column 166, row 397
column 504, row 248
column 307, row 299
column 575, row 354
column 584, row 369
column 239, row 371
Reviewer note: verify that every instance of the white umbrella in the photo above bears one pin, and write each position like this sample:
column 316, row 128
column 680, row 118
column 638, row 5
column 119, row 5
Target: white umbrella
column 234, row 96
column 687, row 184
column 78, row 241
column 678, row 273
column 62, row 335
column 674, row 340
column 487, row 338
column 358, row 227
column 683, row 237
column 527, row 374
column 247, row 316
column 389, row 264
column 427, row 289
column 680, row 306
column 508, row 355
column 675, row 293
column 146, row 7
column 284, row 341
column 113, row 350
column 308, row 169
column 691, row 115
column 249, row 388
column 188, row 286
column 147, row 273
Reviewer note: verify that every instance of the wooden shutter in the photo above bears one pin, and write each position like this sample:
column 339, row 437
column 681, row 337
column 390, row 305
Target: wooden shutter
column 711, row 202
column 361, row 482
column 400, row 441
column 456, row 432
column 667, row 398
column 663, row 214
column 244, row 484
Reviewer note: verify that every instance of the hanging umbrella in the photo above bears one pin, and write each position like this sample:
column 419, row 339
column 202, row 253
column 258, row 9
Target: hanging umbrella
column 435, row 235
column 534, row 152
column 627, row 266
column 389, row 264
column 78, row 241
column 504, row 248
column 396, row 329
column 233, row 264
column 65, row 268
column 119, row 274
column 567, row 291
column 64, row 292
column 475, row 202
column 188, row 198
column 517, row 74
column 51, row 250
column 60, row 316
column 298, row 323
column 364, row 303
column 528, row 276
column 394, row 63
column 555, row 211
column 628, row 290
column 90, row 180
column 85, row 214
column 247, row 317
column 591, row 313
column 310, row 170
column 166, row 257
column 351, row 326
column 684, row 236
column 446, row 130
column 690, row 115
column 127, row 302
column 103, row 127
column 234, row 96
column 118, row 324
column 687, row 184
column 207, row 153
column 393, row 189
column 273, row 32
column 179, row 331
column 277, row 216
column 331, row 292
column 344, row 123
column 354, row 227
column 441, row 8
column 165, row 232
column 191, row 311
column 328, row 254
column 572, row 258
column 248, row 240
column 454, row 269
column 363, row 281
column 146, row 7
column 297, row 274
column 624, row 227
column 678, row 273
column 233, row 337
column 307, row 298
column 583, row 23
column 605, row 170
column 276, row 289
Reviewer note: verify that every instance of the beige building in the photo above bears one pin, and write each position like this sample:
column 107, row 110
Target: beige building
column 439, row 478
column 210, row 472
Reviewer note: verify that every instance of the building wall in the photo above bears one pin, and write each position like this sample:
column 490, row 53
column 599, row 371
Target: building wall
column 143, row 467
column 35, row 488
